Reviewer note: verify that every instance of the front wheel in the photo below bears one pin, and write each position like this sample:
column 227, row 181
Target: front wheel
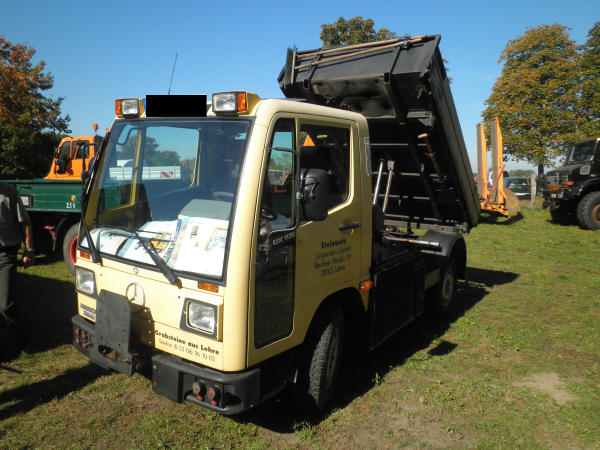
column 588, row 211
column 69, row 247
column 320, row 362
column 440, row 297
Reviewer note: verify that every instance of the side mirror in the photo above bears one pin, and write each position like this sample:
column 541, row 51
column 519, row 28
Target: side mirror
column 315, row 194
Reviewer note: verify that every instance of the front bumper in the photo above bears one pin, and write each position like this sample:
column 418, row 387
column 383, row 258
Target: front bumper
column 563, row 198
column 107, row 343
column 226, row 393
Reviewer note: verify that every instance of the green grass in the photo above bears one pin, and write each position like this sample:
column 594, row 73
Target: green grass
column 517, row 364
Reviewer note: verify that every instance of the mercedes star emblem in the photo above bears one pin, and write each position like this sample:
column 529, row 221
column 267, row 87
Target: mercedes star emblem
column 135, row 294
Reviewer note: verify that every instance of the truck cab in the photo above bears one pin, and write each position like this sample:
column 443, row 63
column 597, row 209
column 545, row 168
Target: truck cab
column 574, row 189
column 72, row 157
column 249, row 267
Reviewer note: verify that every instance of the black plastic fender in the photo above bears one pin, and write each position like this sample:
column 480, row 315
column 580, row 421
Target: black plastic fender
column 451, row 245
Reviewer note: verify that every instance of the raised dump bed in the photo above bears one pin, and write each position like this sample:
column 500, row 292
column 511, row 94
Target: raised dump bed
column 422, row 177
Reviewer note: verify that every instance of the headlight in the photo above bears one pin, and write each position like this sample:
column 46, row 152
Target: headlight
column 225, row 102
column 202, row 316
column 86, row 281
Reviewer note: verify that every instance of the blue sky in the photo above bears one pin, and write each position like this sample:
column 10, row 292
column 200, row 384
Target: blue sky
column 99, row 51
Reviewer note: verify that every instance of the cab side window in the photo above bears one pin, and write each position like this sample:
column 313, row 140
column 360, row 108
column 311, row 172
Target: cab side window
column 277, row 196
column 62, row 157
column 328, row 148
column 80, row 151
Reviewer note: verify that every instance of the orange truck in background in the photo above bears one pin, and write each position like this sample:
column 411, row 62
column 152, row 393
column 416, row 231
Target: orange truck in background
column 53, row 202
column 72, row 157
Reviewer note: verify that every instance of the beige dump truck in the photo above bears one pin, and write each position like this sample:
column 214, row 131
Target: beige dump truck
column 290, row 234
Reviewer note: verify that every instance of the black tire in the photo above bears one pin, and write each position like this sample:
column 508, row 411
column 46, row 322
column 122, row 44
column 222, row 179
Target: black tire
column 320, row 362
column 69, row 247
column 588, row 211
column 440, row 298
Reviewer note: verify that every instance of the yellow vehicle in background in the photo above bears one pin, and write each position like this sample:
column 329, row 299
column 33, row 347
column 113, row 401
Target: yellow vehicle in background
column 288, row 235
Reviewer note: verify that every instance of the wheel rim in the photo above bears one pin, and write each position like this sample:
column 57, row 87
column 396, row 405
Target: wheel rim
column 332, row 355
column 596, row 213
column 73, row 250
column 448, row 285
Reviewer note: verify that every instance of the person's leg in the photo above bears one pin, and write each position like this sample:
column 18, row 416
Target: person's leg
column 8, row 273
column 10, row 341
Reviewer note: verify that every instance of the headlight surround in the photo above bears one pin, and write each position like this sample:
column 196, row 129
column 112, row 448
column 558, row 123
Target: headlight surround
column 202, row 316
column 127, row 107
column 85, row 280
column 585, row 170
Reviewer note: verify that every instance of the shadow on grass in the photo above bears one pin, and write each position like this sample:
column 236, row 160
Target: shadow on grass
column 564, row 221
column 30, row 396
column 488, row 218
column 49, row 304
column 362, row 372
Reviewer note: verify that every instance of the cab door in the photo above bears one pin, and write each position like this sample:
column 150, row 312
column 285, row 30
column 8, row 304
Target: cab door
column 318, row 258
column 79, row 154
column 328, row 251
column 274, row 270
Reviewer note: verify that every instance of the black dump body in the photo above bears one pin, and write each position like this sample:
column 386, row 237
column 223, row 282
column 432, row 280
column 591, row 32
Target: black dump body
column 416, row 143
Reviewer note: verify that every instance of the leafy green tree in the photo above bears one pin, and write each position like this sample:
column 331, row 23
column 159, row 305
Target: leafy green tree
column 589, row 86
column 521, row 172
column 534, row 98
column 163, row 158
column 152, row 156
column 352, row 31
column 30, row 123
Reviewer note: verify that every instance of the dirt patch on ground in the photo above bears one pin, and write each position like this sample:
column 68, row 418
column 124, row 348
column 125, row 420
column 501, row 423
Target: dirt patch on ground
column 550, row 383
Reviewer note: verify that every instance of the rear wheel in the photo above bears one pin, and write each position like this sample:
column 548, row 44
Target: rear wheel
column 440, row 297
column 69, row 247
column 320, row 361
column 588, row 211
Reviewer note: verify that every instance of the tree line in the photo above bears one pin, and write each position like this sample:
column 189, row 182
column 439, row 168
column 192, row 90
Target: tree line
column 31, row 124
column 547, row 96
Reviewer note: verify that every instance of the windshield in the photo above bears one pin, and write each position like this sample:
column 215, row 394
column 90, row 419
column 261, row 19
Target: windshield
column 583, row 152
column 172, row 184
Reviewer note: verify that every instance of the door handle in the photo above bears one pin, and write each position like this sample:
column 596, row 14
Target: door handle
column 349, row 226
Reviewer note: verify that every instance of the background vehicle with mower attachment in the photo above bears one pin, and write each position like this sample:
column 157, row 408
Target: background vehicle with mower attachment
column 574, row 189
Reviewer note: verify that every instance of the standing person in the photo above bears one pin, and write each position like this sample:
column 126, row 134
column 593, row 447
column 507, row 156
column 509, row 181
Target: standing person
column 15, row 226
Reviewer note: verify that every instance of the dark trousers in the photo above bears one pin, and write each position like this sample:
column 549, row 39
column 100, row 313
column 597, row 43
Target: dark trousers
column 8, row 273
column 14, row 327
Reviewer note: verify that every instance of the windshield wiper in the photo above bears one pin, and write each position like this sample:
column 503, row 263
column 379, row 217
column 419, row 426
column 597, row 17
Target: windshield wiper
column 166, row 270
column 94, row 253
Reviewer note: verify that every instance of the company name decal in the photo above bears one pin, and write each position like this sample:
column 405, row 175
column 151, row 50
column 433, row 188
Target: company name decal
column 187, row 349
column 333, row 257
column 330, row 244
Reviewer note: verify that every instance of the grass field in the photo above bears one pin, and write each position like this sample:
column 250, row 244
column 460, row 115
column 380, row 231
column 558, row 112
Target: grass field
column 517, row 364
